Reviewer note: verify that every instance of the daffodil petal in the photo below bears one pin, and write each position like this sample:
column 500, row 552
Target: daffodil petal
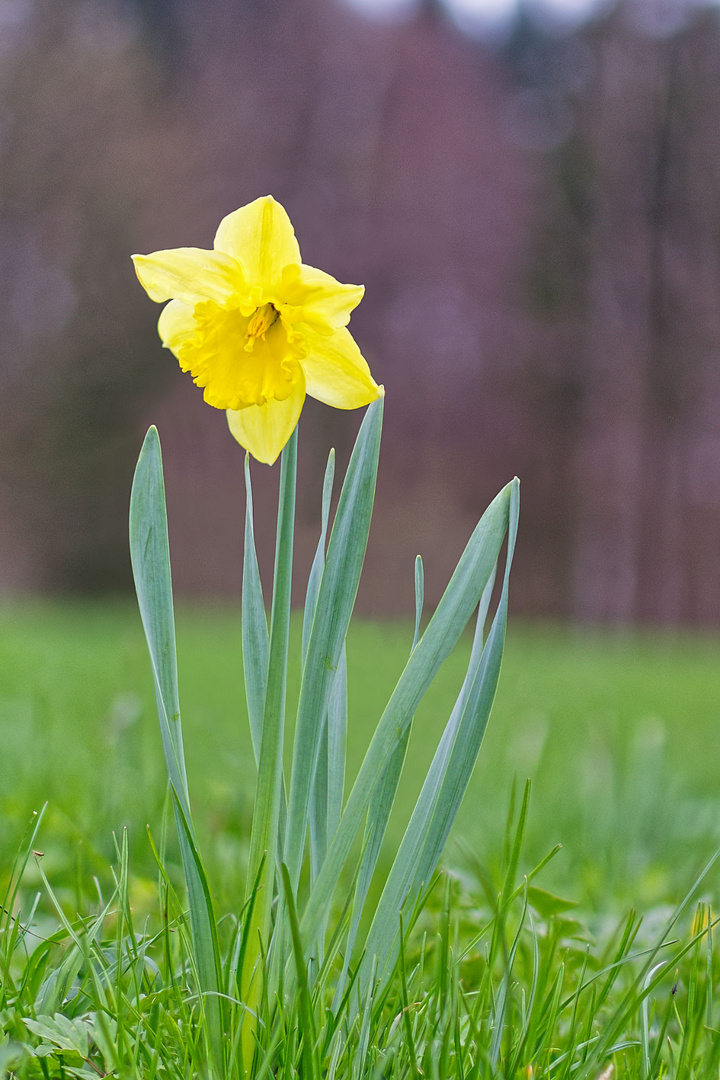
column 264, row 429
column 336, row 371
column 176, row 325
column 318, row 297
column 261, row 237
column 189, row 274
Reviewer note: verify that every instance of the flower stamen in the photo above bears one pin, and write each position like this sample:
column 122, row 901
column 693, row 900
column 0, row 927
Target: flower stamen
column 260, row 322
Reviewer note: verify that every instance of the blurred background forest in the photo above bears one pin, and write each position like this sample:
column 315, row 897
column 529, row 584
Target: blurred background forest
column 535, row 214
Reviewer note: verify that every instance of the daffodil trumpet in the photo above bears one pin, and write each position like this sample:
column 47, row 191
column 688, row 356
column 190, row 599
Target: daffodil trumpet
column 257, row 328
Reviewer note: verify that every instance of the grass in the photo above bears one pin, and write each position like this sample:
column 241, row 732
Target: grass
column 619, row 734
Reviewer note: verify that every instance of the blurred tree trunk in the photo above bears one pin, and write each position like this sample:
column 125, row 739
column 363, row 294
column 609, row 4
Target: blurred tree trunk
column 648, row 464
column 77, row 92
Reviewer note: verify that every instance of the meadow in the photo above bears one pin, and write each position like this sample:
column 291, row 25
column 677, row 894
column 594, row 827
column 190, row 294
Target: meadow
column 619, row 734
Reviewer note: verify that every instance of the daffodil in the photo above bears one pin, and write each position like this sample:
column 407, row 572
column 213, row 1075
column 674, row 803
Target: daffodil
column 257, row 328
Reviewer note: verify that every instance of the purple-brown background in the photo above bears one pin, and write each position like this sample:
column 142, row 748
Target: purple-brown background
column 536, row 219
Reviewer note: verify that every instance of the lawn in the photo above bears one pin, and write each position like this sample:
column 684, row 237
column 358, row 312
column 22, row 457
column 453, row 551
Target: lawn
column 620, row 735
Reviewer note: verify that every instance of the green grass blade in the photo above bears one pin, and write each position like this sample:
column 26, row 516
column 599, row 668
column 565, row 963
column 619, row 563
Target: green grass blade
column 8, row 920
column 461, row 597
column 405, row 1002
column 336, row 598
column 206, row 951
column 309, row 1034
column 514, row 860
column 150, row 556
column 500, row 1010
column 267, row 808
column 255, row 643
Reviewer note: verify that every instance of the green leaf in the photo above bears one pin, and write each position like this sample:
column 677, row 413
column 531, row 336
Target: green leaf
column 309, row 1034
column 202, row 918
column 337, row 734
column 336, row 598
column 547, row 904
column 419, row 597
column 318, row 563
column 104, row 1034
column 150, row 556
column 63, row 1034
column 461, row 597
column 381, row 805
column 319, row 798
column 447, row 777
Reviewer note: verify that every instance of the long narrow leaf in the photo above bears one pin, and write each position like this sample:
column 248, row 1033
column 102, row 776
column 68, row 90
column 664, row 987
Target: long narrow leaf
column 448, row 775
column 337, row 734
column 206, row 951
column 381, row 806
column 319, row 794
column 318, row 563
column 336, row 598
column 451, row 616
column 150, row 556
column 419, row 597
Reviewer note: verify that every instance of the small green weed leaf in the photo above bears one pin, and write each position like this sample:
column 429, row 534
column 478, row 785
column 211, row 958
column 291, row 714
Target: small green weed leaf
column 54, row 988
column 62, row 1034
column 43, row 1050
column 103, row 1029
column 12, row 1056
column 546, row 904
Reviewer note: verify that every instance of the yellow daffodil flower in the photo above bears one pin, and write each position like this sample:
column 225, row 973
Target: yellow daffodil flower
column 257, row 328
